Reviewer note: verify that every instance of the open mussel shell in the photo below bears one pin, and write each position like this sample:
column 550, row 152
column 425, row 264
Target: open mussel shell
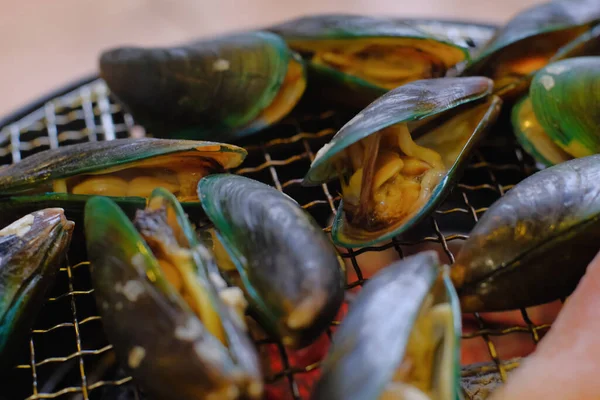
column 126, row 169
column 400, row 338
column 530, row 39
column 532, row 136
column 565, row 97
column 587, row 44
column 533, row 244
column 355, row 59
column 222, row 87
column 399, row 157
column 292, row 275
column 31, row 251
column 159, row 308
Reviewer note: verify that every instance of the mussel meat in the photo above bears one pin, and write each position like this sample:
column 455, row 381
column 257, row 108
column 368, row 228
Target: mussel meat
column 400, row 338
column 358, row 58
column 127, row 169
column 31, row 251
column 400, row 156
column 222, row 87
column 161, row 307
column 533, row 244
column 290, row 271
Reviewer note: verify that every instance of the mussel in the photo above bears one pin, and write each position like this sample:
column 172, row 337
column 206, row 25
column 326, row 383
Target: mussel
column 400, row 156
column 222, row 87
column 355, row 59
column 400, row 338
column 31, row 252
column 532, row 136
column 565, row 97
column 161, row 307
column 530, row 39
column 127, row 169
column 533, row 244
column 559, row 119
column 290, row 271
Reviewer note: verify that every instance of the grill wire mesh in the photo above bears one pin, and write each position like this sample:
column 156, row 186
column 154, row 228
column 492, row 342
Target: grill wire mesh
column 68, row 356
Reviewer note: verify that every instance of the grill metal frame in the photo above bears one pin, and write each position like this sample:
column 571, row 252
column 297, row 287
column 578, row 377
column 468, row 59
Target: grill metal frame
column 279, row 157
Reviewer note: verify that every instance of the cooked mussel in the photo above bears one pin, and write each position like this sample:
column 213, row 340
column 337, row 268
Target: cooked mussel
column 31, row 251
column 565, row 97
column 292, row 276
column 400, row 338
column 532, row 136
column 162, row 309
column 533, row 244
column 530, row 39
column 400, row 156
column 127, row 169
column 221, row 87
column 559, row 119
column 356, row 59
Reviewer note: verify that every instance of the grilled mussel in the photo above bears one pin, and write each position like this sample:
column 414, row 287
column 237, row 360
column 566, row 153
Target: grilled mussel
column 533, row 244
column 400, row 156
column 529, row 40
column 290, row 271
column 126, row 169
column 355, row 59
column 161, row 306
column 559, row 119
column 400, row 338
column 31, row 251
column 222, row 87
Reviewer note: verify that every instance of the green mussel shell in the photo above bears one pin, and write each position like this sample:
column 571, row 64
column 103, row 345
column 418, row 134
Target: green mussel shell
column 533, row 138
column 374, row 338
column 532, row 37
column 292, row 275
column 415, row 102
column 27, row 186
column 587, row 44
column 97, row 157
column 565, row 97
column 146, row 318
column 214, row 88
column 31, row 252
column 334, row 31
column 533, row 244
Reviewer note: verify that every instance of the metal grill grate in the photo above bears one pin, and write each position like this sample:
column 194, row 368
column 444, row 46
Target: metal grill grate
column 69, row 357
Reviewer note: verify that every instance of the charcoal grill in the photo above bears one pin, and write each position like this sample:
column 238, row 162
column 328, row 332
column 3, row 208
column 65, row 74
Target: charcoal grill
column 68, row 356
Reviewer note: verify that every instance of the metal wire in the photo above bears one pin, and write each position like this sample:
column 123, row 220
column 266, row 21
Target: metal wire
column 280, row 157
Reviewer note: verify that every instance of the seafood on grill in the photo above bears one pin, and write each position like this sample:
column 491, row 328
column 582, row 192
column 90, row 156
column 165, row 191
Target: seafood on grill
column 355, row 59
column 172, row 322
column 400, row 338
column 529, row 40
column 559, row 119
column 533, row 244
column 290, row 271
column 126, row 169
column 532, row 136
column 398, row 158
column 32, row 249
column 222, row 87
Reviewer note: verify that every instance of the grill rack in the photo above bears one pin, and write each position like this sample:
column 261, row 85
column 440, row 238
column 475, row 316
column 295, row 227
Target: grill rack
column 68, row 356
